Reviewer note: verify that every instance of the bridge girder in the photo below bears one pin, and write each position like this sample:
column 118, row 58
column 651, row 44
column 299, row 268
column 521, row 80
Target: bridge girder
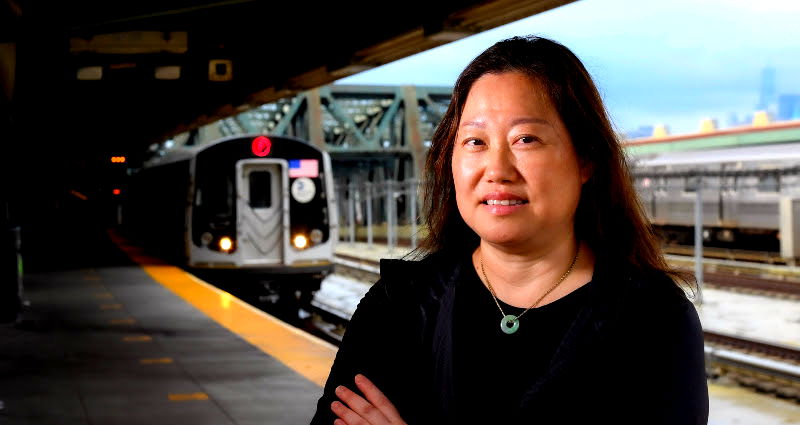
column 353, row 122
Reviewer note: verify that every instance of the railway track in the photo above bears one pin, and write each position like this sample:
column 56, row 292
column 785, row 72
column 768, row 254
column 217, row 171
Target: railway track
column 763, row 286
column 358, row 268
column 765, row 367
column 729, row 276
column 728, row 254
column 328, row 320
column 772, row 280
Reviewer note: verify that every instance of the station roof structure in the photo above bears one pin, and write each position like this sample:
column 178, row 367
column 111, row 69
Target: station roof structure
column 102, row 76
column 751, row 135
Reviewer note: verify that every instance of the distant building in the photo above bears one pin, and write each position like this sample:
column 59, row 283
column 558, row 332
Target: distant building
column 733, row 120
column 642, row 131
column 709, row 125
column 789, row 107
column 767, row 97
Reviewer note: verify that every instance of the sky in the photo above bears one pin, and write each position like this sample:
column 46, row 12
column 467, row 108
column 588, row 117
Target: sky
column 655, row 62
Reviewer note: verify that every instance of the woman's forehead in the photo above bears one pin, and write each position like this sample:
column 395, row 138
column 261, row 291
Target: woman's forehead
column 516, row 94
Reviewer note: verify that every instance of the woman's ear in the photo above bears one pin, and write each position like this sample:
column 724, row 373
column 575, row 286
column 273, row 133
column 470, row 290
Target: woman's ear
column 587, row 169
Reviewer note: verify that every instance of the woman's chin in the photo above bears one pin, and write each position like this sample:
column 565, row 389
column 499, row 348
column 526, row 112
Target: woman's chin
column 505, row 240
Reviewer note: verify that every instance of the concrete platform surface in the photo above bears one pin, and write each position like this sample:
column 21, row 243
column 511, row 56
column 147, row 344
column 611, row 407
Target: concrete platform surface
column 111, row 346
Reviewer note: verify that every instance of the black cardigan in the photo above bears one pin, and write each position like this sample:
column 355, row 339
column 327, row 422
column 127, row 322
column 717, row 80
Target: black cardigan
column 633, row 355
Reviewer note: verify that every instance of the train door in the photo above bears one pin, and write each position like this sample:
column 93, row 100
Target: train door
column 260, row 212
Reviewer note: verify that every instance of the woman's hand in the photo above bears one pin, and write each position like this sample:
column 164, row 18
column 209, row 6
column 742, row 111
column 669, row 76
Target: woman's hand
column 375, row 410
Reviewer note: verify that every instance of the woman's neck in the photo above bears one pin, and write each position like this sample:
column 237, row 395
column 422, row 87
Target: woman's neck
column 520, row 277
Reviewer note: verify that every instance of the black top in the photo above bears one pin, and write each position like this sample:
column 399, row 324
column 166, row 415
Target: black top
column 493, row 369
column 633, row 354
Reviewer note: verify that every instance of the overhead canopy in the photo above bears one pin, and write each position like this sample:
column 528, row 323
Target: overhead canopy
column 113, row 76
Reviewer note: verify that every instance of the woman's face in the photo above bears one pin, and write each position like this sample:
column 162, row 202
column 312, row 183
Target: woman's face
column 516, row 174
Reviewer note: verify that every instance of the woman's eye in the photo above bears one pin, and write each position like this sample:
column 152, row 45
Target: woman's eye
column 473, row 142
column 528, row 139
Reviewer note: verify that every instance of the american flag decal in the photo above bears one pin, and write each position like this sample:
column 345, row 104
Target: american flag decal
column 303, row 168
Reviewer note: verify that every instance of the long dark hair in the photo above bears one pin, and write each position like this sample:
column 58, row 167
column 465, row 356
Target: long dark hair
column 609, row 217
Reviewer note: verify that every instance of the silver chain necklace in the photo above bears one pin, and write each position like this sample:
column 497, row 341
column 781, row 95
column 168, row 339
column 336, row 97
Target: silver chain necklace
column 510, row 323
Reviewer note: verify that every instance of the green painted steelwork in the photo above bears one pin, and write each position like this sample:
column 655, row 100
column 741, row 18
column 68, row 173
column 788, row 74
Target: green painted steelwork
column 349, row 129
column 349, row 125
column 297, row 104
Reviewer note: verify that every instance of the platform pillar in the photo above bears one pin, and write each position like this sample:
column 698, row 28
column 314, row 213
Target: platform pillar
column 315, row 134
column 790, row 228
column 698, row 240
column 413, row 136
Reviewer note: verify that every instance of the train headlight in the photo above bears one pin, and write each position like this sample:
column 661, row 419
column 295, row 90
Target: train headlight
column 225, row 243
column 206, row 238
column 300, row 241
column 316, row 236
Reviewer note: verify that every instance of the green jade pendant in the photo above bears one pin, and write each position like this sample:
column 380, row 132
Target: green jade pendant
column 509, row 324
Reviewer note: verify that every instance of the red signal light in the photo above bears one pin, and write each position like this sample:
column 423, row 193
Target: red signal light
column 261, row 146
column 116, row 191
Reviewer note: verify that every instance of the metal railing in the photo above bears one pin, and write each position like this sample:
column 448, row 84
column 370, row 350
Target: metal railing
column 386, row 210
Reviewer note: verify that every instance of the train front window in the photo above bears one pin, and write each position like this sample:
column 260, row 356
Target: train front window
column 260, row 189
column 217, row 194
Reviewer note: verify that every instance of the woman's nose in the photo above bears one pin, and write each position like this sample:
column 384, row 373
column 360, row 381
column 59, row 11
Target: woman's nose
column 500, row 166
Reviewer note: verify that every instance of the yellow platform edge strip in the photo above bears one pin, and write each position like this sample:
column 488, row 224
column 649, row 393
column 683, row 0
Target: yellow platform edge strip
column 309, row 356
column 187, row 397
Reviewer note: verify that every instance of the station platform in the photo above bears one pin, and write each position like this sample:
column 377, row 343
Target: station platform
column 118, row 338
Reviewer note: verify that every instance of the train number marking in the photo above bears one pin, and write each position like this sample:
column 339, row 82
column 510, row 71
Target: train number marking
column 303, row 190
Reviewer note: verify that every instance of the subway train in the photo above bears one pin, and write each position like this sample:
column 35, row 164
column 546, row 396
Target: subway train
column 257, row 206
column 750, row 196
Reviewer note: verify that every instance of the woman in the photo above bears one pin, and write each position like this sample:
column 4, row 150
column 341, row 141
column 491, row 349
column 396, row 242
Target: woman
column 543, row 297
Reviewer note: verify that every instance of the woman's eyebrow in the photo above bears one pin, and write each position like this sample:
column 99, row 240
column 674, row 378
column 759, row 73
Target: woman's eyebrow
column 479, row 124
column 516, row 121
column 529, row 120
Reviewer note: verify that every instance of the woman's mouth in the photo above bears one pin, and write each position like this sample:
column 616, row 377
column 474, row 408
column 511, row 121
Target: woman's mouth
column 501, row 207
column 504, row 202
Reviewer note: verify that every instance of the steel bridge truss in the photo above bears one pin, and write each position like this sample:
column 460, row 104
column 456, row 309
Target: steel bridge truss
column 355, row 123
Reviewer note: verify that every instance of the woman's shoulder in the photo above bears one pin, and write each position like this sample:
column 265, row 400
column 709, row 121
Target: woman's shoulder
column 417, row 262
column 653, row 288
column 655, row 301
column 428, row 275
